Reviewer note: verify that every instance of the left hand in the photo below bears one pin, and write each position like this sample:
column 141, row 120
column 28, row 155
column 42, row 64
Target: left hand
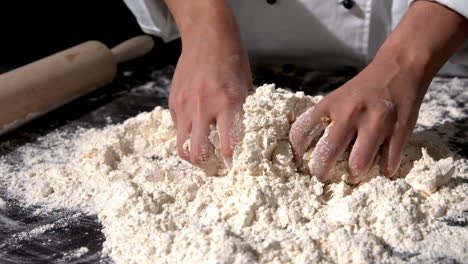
column 379, row 107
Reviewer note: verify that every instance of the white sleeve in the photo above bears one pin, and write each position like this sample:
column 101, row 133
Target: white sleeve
column 154, row 18
column 459, row 6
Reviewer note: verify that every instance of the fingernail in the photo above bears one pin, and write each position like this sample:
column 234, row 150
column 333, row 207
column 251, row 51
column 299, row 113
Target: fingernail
column 355, row 175
column 228, row 163
column 387, row 169
column 186, row 148
column 210, row 166
column 298, row 162
column 209, row 163
column 354, row 178
column 392, row 170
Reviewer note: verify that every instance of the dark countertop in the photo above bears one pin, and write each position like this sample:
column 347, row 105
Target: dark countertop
column 136, row 89
column 70, row 230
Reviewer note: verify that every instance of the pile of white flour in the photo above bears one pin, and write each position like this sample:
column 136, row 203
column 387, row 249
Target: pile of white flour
column 156, row 208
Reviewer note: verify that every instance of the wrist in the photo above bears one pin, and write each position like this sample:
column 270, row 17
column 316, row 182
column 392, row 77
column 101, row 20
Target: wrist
column 416, row 64
column 211, row 31
column 423, row 41
column 202, row 19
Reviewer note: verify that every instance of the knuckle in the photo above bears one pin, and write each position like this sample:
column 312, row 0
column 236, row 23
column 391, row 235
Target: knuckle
column 358, row 108
column 350, row 113
column 233, row 94
column 177, row 102
column 200, row 98
column 377, row 128
column 199, row 107
column 199, row 87
column 380, row 112
column 383, row 113
column 231, row 99
column 320, row 107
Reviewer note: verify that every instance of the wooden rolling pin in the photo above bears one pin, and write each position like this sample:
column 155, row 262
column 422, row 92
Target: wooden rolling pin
column 41, row 86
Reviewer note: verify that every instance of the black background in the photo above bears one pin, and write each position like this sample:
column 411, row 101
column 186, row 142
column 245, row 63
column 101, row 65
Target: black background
column 30, row 30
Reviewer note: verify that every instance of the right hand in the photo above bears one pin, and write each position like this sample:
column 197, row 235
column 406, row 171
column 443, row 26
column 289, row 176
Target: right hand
column 210, row 84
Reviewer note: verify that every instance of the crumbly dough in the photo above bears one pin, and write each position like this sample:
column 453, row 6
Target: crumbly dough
column 157, row 208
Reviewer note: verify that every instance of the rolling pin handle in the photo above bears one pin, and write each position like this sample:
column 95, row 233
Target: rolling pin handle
column 132, row 48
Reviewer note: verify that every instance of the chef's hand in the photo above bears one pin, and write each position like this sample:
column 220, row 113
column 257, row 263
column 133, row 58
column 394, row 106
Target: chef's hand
column 211, row 81
column 379, row 107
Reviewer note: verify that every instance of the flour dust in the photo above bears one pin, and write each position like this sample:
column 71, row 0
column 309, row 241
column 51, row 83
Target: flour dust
column 157, row 208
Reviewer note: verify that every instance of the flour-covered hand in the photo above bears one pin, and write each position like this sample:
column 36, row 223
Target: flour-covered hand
column 378, row 108
column 210, row 84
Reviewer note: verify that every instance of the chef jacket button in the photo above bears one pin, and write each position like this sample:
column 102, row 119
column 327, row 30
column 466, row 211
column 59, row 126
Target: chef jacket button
column 348, row 4
column 271, row 2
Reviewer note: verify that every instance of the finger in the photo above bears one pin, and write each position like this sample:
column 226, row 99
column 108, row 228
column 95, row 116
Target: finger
column 174, row 117
column 392, row 150
column 172, row 109
column 231, row 132
column 368, row 142
column 329, row 147
column 183, row 136
column 304, row 130
column 201, row 149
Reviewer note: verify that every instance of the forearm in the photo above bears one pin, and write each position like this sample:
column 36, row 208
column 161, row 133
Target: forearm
column 428, row 35
column 213, row 17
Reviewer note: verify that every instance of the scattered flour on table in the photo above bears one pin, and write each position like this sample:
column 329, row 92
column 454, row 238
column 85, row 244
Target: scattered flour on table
column 2, row 204
column 156, row 208
column 73, row 255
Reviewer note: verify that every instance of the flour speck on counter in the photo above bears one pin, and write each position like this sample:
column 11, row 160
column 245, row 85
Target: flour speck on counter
column 2, row 204
column 157, row 208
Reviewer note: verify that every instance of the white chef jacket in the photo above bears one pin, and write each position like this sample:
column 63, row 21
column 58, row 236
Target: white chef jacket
column 315, row 33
